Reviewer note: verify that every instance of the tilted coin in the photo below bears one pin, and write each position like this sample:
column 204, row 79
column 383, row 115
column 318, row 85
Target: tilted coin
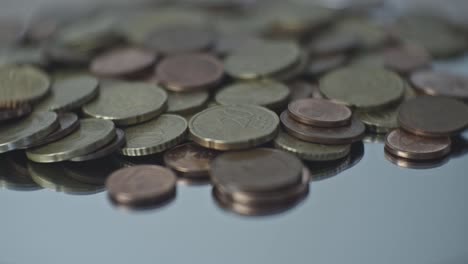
column 127, row 103
column 320, row 112
column 233, row 127
column 117, row 143
column 68, row 123
column 406, row 145
column 92, row 172
column 301, row 89
column 310, row 151
column 333, row 136
column 415, row 164
column 266, row 93
column 28, row 130
column 22, row 84
column 154, row 136
column 189, row 72
column 186, row 103
column 363, row 87
column 294, row 71
column 190, row 160
column 406, row 58
column 433, row 116
column 321, row 65
column 92, row 135
column 141, row 185
column 8, row 113
column 441, row 83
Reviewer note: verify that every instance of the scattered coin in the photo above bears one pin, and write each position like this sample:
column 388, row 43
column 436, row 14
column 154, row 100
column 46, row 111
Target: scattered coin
column 441, row 83
column 117, row 143
column 381, row 121
column 186, row 103
column 190, row 160
column 68, row 123
column 294, row 71
column 8, row 113
column 406, row 58
column 319, row 112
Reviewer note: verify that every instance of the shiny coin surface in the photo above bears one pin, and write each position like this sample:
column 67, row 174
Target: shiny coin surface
column 8, row 113
column 28, row 130
column 190, row 160
column 266, row 93
column 441, row 83
column 320, row 112
column 189, row 72
column 112, row 147
column 406, row 58
column 409, row 146
column 92, row 135
column 22, row 84
column 363, row 87
column 127, row 103
column 154, row 136
column 233, row 127
column 433, row 116
column 186, row 103
column 310, row 151
column 333, row 136
column 141, row 185
column 68, row 122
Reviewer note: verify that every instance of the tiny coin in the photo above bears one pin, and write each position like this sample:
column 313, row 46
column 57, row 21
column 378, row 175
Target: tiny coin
column 113, row 146
column 186, row 103
column 406, row 58
column 8, row 113
column 127, row 103
column 301, row 89
column 190, row 160
column 141, row 185
column 189, row 72
column 266, row 93
column 69, row 122
column 22, row 84
column 332, row 136
column 406, row 145
column 381, row 121
column 441, row 83
column 154, row 136
column 310, row 151
column 92, row 135
column 320, row 112
column 433, row 116
column 233, row 127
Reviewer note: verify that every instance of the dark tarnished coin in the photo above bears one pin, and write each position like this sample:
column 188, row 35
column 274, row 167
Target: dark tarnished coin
column 333, row 136
column 69, row 122
column 320, row 112
column 141, row 185
column 186, row 103
column 441, row 83
column 406, row 58
column 8, row 113
column 189, row 72
column 415, row 164
column 190, row 160
column 123, row 62
column 433, row 116
column 406, row 145
column 22, row 84
column 301, row 89
column 112, row 147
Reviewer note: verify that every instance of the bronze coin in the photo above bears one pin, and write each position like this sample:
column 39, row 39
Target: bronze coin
column 332, row 136
column 441, row 83
column 433, row 116
column 190, row 160
column 9, row 113
column 189, row 72
column 409, row 146
column 406, row 58
column 141, row 185
column 320, row 112
column 68, row 122
column 123, row 62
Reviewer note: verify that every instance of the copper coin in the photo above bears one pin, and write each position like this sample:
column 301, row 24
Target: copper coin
column 415, row 164
column 190, row 160
column 406, row 58
column 320, row 112
column 440, row 83
column 117, row 143
column 68, row 122
column 141, row 185
column 332, row 136
column 433, row 116
column 189, row 72
column 9, row 113
column 123, row 62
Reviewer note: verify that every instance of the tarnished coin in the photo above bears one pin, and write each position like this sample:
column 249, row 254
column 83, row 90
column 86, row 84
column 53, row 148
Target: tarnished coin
column 433, row 116
column 267, row 93
column 186, row 103
column 294, row 71
column 320, row 112
column 68, row 122
column 363, row 87
column 127, row 103
column 406, row 145
column 233, row 127
column 441, row 83
column 22, row 84
column 189, row 72
column 154, row 136
column 69, row 93
column 333, row 136
column 117, row 143
column 8, row 113
column 92, row 135
column 301, row 89
column 19, row 134
column 141, row 185
column 310, row 151
column 123, row 62
column 190, row 160
column 406, row 58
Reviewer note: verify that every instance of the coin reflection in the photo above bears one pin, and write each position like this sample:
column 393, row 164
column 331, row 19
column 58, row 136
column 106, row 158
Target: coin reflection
column 93, row 172
column 411, row 164
column 14, row 176
column 143, row 207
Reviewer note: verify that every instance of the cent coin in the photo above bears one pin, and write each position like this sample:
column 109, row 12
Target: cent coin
column 320, row 112
column 112, row 147
column 69, row 122
column 441, row 83
column 190, row 160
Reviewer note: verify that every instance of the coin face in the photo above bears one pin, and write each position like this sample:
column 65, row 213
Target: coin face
column 186, row 103
column 333, row 136
column 190, row 160
column 406, row 145
column 68, row 122
column 433, row 116
column 233, row 127
column 113, row 146
column 189, row 72
column 154, row 136
column 127, row 103
column 319, row 112
column 440, row 83
column 22, row 84
column 8, row 113
column 141, row 185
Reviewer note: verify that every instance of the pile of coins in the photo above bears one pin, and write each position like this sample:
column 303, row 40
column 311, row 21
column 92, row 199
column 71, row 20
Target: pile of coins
column 255, row 98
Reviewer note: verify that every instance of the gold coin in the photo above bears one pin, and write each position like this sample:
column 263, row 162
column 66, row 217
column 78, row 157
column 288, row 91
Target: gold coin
column 154, row 136
column 92, row 135
column 233, row 127
column 186, row 103
column 22, row 84
column 127, row 103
